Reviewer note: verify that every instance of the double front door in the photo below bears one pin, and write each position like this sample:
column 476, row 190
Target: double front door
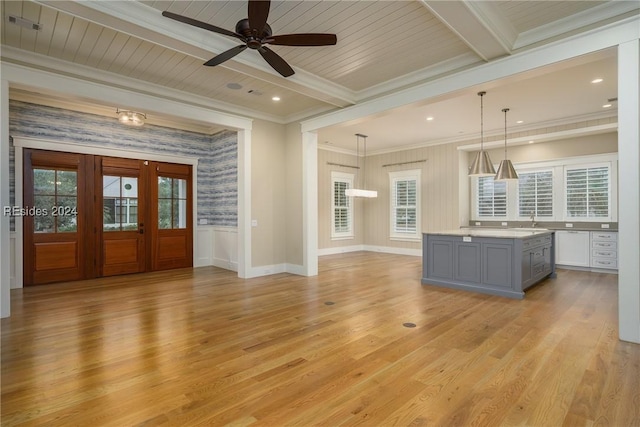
column 91, row 216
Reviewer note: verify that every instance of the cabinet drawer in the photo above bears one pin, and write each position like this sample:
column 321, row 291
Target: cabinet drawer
column 536, row 241
column 604, row 253
column 601, row 235
column 604, row 245
column 604, row 263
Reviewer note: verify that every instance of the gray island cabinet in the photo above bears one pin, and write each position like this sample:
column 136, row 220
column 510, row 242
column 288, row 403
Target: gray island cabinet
column 501, row 262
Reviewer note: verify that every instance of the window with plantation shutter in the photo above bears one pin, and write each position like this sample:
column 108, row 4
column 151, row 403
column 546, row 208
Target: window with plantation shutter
column 341, row 206
column 491, row 198
column 535, row 194
column 587, row 192
column 405, row 204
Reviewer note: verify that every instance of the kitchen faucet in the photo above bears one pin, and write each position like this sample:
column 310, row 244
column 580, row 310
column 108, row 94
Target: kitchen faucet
column 532, row 218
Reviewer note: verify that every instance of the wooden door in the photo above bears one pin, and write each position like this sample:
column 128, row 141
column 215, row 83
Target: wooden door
column 172, row 216
column 56, row 235
column 120, row 189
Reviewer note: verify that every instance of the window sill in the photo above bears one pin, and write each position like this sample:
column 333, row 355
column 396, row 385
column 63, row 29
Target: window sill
column 342, row 237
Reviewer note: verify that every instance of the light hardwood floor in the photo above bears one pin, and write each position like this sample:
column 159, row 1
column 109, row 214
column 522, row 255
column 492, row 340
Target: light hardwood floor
column 202, row 347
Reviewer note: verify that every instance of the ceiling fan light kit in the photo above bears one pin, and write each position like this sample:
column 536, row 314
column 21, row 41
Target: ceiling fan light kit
column 482, row 165
column 255, row 33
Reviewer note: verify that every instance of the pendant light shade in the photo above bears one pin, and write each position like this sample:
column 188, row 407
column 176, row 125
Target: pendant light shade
column 506, row 171
column 361, row 192
column 482, row 165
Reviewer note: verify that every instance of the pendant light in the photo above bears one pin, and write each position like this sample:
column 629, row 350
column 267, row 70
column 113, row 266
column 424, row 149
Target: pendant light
column 357, row 192
column 482, row 165
column 506, row 170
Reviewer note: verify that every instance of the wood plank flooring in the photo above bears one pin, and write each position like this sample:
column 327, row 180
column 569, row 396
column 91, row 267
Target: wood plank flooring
column 200, row 347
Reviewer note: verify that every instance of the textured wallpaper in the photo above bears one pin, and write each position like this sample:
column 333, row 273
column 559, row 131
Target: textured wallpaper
column 217, row 154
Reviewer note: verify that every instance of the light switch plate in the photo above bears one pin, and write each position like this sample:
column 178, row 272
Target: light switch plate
column 254, row 222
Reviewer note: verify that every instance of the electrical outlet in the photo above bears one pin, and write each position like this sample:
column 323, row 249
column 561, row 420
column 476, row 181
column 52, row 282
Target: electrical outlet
column 604, row 225
column 254, row 222
column 568, row 225
column 504, row 224
column 478, row 223
column 202, row 221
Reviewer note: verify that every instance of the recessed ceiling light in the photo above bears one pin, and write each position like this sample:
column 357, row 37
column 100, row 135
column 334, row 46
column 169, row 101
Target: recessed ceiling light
column 275, row 98
column 598, row 80
column 429, row 118
column 520, row 121
column 606, row 106
column 531, row 142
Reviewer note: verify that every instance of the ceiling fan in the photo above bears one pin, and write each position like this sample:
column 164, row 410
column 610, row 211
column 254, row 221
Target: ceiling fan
column 255, row 33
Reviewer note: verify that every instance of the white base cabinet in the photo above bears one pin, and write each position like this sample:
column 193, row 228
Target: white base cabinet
column 589, row 249
column 573, row 248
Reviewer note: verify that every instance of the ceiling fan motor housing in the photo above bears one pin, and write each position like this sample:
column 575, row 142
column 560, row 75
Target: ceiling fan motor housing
column 254, row 40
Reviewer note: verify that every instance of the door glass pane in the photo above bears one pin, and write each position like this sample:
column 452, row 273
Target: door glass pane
column 44, row 181
column 43, row 221
column 180, row 213
column 164, row 187
column 66, row 183
column 164, row 213
column 119, row 203
column 55, row 199
column 66, row 211
column 172, row 203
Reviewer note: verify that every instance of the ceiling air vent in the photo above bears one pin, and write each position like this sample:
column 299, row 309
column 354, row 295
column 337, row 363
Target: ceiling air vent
column 24, row 23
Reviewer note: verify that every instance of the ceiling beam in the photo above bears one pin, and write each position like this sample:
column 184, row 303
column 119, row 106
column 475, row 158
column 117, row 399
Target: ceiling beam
column 479, row 25
column 144, row 22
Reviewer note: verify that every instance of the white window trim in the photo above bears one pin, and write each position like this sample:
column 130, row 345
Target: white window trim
column 349, row 179
column 612, row 178
column 415, row 174
column 554, row 190
column 474, row 195
column 558, row 167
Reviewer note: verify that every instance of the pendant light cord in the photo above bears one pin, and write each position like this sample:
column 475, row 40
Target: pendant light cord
column 481, row 94
column 505, row 132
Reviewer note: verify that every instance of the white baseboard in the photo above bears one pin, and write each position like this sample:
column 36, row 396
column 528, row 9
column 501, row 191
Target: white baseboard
column 295, row 269
column 340, row 250
column 370, row 248
column 392, row 250
column 224, row 263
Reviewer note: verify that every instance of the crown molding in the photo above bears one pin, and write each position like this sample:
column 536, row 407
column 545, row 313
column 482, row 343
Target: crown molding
column 89, row 74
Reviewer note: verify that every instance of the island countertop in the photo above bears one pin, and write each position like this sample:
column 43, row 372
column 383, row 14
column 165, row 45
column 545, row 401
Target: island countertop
column 508, row 233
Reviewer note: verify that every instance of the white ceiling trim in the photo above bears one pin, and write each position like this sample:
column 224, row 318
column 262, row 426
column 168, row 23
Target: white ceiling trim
column 511, row 66
column 144, row 22
column 442, row 68
column 46, row 63
column 582, row 19
column 117, row 96
column 551, row 136
column 466, row 22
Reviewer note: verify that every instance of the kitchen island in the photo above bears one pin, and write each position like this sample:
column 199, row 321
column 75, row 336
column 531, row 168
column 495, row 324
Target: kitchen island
column 501, row 262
